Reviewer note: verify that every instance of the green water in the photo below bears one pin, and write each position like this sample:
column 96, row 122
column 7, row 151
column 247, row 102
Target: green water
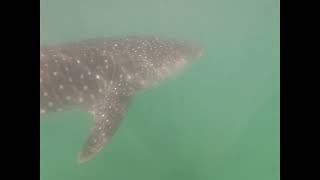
column 217, row 120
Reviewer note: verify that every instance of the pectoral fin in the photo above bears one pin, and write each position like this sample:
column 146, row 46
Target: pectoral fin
column 108, row 114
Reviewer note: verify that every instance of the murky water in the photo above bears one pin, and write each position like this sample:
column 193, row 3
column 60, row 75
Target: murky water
column 217, row 120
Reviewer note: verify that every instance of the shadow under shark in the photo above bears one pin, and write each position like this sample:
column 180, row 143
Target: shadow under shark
column 102, row 75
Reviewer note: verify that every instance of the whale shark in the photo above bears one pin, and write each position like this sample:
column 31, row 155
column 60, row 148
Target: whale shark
column 102, row 75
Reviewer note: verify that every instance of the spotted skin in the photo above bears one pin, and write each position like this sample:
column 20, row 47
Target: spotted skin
column 102, row 75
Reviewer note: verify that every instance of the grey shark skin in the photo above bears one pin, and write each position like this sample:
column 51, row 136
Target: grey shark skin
column 102, row 75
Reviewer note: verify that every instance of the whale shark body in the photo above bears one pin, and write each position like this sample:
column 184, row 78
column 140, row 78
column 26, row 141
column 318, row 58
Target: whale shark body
column 102, row 76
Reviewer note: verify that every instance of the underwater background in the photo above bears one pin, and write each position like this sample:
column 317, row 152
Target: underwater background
column 219, row 119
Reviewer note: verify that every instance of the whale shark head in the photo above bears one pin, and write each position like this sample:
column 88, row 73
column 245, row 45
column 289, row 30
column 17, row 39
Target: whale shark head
column 152, row 59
